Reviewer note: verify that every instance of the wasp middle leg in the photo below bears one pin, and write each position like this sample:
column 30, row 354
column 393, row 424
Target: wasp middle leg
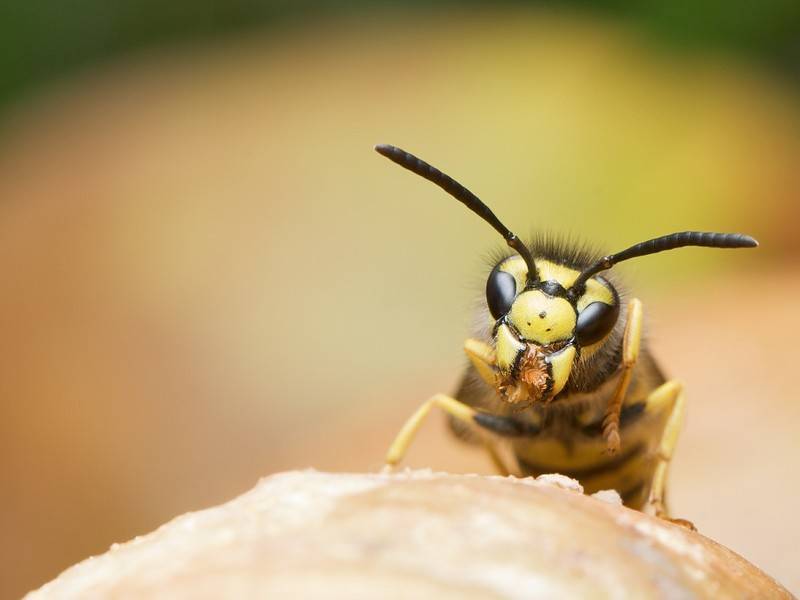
column 631, row 342
column 500, row 425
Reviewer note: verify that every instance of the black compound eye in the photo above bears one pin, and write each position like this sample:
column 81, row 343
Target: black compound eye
column 501, row 289
column 595, row 322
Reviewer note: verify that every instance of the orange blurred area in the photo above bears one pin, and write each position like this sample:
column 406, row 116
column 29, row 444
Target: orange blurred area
column 209, row 276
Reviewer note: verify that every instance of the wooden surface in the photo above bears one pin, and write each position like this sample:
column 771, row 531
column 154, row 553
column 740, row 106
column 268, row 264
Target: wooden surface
column 306, row 534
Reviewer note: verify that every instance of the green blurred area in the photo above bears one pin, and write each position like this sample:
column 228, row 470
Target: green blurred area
column 44, row 39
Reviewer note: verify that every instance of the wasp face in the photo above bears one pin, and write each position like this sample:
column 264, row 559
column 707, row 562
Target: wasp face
column 540, row 329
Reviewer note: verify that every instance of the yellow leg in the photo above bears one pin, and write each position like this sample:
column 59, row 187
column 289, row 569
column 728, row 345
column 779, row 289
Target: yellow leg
column 482, row 358
column 452, row 407
column 667, row 399
column 630, row 352
column 496, row 459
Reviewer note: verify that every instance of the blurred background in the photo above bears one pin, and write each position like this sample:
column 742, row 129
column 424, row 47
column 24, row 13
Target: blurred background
column 209, row 276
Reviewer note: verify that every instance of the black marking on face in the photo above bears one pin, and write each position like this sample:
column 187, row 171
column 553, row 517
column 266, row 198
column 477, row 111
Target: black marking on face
column 549, row 386
column 501, row 290
column 552, row 288
column 595, row 322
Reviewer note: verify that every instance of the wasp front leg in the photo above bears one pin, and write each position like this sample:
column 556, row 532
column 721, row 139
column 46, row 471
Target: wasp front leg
column 630, row 353
column 458, row 410
column 482, row 358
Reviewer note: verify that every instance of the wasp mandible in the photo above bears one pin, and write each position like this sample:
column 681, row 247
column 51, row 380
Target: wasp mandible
column 559, row 369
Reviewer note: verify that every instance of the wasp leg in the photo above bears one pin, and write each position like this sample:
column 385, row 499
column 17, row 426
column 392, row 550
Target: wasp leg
column 482, row 358
column 497, row 460
column 452, row 407
column 630, row 353
column 470, row 392
column 667, row 399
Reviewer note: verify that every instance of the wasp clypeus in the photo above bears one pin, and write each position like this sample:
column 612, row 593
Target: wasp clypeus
column 558, row 368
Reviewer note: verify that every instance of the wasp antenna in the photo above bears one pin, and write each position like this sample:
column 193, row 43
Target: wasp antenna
column 463, row 195
column 667, row 242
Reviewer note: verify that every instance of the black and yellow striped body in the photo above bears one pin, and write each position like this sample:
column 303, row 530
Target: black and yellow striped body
column 567, row 436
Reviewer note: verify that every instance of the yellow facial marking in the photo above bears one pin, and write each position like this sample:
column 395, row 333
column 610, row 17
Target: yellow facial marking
column 595, row 292
column 547, row 271
column 542, row 319
column 551, row 271
column 561, row 364
column 507, row 348
column 516, row 267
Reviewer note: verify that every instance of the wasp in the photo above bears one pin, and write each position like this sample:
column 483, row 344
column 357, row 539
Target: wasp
column 558, row 369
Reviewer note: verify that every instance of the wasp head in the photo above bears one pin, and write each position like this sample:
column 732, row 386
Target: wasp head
column 540, row 326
